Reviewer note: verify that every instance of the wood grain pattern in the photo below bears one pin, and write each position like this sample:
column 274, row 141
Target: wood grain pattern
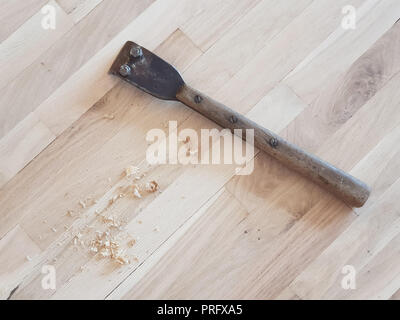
column 357, row 246
column 27, row 43
column 21, row 145
column 63, row 59
column 68, row 130
column 337, row 101
column 14, row 13
column 78, row 9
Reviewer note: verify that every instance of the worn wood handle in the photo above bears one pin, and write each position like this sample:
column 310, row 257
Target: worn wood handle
column 348, row 188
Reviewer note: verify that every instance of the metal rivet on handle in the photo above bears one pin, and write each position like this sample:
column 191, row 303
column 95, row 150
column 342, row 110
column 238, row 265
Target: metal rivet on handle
column 125, row 70
column 198, row 99
column 233, row 119
column 273, row 142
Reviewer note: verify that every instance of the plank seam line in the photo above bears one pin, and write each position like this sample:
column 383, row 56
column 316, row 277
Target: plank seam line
column 268, row 42
column 20, row 25
column 43, row 53
column 168, row 238
column 339, row 30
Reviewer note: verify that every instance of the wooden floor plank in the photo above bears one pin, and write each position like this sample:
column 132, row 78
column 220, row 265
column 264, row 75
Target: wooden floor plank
column 242, row 42
column 281, row 55
column 212, row 18
column 14, row 13
column 340, row 99
column 380, row 278
column 17, row 253
column 205, row 259
column 63, row 59
column 29, row 42
column 307, row 79
column 396, row 296
column 21, row 145
column 366, row 129
column 358, row 245
column 123, row 289
column 78, row 9
column 380, row 168
column 277, row 109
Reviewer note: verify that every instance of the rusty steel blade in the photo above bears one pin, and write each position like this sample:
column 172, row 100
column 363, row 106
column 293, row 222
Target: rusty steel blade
column 147, row 71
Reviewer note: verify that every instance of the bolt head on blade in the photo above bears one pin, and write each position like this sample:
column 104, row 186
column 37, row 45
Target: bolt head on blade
column 125, row 70
column 136, row 52
column 147, row 71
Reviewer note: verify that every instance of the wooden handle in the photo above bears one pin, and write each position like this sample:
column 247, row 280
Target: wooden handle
column 351, row 190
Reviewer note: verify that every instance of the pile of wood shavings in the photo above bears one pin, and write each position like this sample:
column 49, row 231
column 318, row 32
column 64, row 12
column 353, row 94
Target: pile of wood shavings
column 109, row 246
column 106, row 241
column 110, row 240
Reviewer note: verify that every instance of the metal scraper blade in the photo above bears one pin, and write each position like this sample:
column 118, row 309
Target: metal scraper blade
column 147, row 71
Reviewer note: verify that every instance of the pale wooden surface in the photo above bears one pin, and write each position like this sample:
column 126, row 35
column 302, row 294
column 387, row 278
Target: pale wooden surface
column 288, row 65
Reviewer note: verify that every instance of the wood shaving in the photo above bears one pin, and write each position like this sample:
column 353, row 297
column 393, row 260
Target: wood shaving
column 132, row 170
column 113, row 200
column 121, row 260
column 54, row 229
column 90, row 201
column 131, row 243
column 136, row 192
column 82, row 204
column 109, row 116
column 152, row 186
column 70, row 213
